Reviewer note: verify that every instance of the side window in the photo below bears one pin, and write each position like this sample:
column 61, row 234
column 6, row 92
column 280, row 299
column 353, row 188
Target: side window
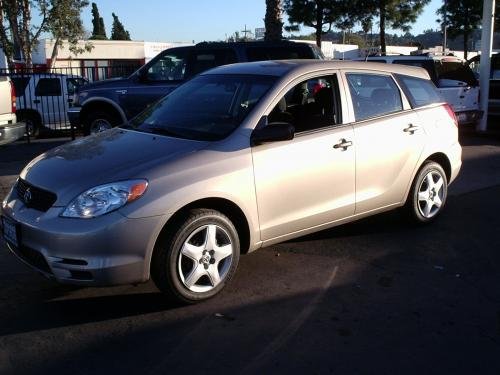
column 20, row 84
column 170, row 66
column 427, row 64
column 309, row 105
column 279, row 53
column 420, row 92
column 48, row 87
column 373, row 95
column 73, row 83
column 205, row 59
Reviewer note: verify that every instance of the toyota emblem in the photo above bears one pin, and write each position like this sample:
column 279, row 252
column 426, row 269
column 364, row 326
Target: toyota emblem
column 27, row 196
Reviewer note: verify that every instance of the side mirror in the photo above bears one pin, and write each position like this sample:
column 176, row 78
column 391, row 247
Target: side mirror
column 271, row 132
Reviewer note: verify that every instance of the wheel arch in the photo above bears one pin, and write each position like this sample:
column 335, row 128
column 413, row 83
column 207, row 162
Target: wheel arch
column 21, row 113
column 223, row 205
column 100, row 103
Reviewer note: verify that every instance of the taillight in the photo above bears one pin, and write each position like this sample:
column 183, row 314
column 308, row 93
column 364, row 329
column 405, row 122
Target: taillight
column 12, row 98
column 451, row 113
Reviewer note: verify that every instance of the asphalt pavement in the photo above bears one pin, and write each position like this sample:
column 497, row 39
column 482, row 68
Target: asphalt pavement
column 379, row 296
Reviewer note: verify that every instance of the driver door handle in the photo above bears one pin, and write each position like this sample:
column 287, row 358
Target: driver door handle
column 411, row 129
column 343, row 144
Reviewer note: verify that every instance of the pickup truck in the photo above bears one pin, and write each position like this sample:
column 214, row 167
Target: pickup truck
column 10, row 129
column 102, row 105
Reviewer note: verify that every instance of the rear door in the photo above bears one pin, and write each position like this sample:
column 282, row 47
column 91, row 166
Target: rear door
column 49, row 99
column 388, row 136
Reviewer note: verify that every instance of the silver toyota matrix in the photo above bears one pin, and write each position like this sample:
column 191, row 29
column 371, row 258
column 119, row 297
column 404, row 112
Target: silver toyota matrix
column 241, row 157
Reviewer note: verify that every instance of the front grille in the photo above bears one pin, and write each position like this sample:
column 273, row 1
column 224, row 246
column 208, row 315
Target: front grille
column 34, row 197
column 33, row 257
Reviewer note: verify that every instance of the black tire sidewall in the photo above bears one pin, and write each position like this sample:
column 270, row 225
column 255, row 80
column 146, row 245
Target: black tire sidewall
column 173, row 246
column 414, row 204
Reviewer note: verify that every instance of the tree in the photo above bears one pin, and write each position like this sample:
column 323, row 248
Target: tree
column 18, row 36
column 64, row 23
column 118, row 32
column 98, row 30
column 395, row 14
column 320, row 14
column 273, row 21
column 461, row 17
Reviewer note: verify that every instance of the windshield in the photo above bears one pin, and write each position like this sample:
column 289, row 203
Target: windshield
column 207, row 108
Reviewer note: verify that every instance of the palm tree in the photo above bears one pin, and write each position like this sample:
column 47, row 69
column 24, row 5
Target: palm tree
column 272, row 21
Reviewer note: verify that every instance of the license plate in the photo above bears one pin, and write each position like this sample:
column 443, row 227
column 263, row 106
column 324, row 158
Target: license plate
column 10, row 232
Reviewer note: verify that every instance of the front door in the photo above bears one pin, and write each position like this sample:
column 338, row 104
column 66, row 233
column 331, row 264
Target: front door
column 308, row 181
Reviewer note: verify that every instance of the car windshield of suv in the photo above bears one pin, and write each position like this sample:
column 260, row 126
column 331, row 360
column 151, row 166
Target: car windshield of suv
column 207, row 108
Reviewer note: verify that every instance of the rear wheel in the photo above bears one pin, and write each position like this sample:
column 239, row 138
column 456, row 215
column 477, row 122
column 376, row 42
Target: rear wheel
column 428, row 193
column 33, row 124
column 194, row 261
column 99, row 121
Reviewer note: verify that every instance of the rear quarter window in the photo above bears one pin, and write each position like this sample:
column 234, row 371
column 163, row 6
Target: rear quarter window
column 420, row 92
column 20, row 84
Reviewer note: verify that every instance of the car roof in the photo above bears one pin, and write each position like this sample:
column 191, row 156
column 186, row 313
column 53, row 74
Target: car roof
column 303, row 66
column 413, row 57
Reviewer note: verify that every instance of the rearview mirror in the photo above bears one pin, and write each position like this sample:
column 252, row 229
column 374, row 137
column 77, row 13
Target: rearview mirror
column 272, row 132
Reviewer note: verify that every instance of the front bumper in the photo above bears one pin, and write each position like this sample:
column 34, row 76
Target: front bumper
column 12, row 132
column 108, row 250
column 74, row 116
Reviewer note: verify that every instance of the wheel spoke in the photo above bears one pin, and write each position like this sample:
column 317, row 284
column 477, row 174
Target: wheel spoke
column 222, row 252
column 213, row 274
column 197, row 272
column 439, row 184
column 430, row 181
column 423, row 196
column 437, row 201
column 428, row 208
column 210, row 239
column 192, row 251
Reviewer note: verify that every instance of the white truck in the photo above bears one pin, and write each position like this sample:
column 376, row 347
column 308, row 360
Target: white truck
column 10, row 129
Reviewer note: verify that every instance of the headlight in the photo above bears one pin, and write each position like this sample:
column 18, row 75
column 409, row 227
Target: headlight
column 105, row 198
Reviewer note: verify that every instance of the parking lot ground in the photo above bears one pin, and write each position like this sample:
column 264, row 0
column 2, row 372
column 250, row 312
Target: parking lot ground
column 379, row 296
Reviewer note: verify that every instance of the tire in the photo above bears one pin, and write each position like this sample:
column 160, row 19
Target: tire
column 197, row 258
column 33, row 124
column 99, row 121
column 428, row 193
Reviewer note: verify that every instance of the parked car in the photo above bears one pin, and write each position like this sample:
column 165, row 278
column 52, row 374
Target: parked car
column 10, row 129
column 102, row 105
column 240, row 157
column 454, row 79
column 44, row 98
column 494, row 92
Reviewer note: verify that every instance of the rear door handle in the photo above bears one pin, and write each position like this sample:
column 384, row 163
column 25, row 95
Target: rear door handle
column 36, row 101
column 343, row 144
column 411, row 129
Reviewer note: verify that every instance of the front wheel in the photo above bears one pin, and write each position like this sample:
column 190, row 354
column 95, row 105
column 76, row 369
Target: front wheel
column 194, row 261
column 99, row 121
column 428, row 193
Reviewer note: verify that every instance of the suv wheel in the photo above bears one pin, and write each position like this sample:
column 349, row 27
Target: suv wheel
column 32, row 125
column 99, row 121
column 428, row 193
column 197, row 259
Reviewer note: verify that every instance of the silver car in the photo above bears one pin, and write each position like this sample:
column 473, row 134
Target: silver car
column 241, row 157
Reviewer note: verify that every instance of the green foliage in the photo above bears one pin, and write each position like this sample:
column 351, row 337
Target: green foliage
column 98, row 29
column 321, row 15
column 118, row 32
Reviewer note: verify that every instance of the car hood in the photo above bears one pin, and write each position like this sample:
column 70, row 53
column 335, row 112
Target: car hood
column 112, row 82
column 115, row 155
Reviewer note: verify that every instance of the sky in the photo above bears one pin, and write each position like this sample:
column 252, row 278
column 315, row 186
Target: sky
column 199, row 20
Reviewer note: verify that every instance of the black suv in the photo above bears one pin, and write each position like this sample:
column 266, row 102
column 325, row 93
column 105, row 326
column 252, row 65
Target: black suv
column 101, row 105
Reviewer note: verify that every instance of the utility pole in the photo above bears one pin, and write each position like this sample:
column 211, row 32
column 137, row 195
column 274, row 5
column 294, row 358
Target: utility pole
column 245, row 32
column 486, row 46
column 445, row 27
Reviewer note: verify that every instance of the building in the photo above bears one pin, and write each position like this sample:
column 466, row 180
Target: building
column 108, row 58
